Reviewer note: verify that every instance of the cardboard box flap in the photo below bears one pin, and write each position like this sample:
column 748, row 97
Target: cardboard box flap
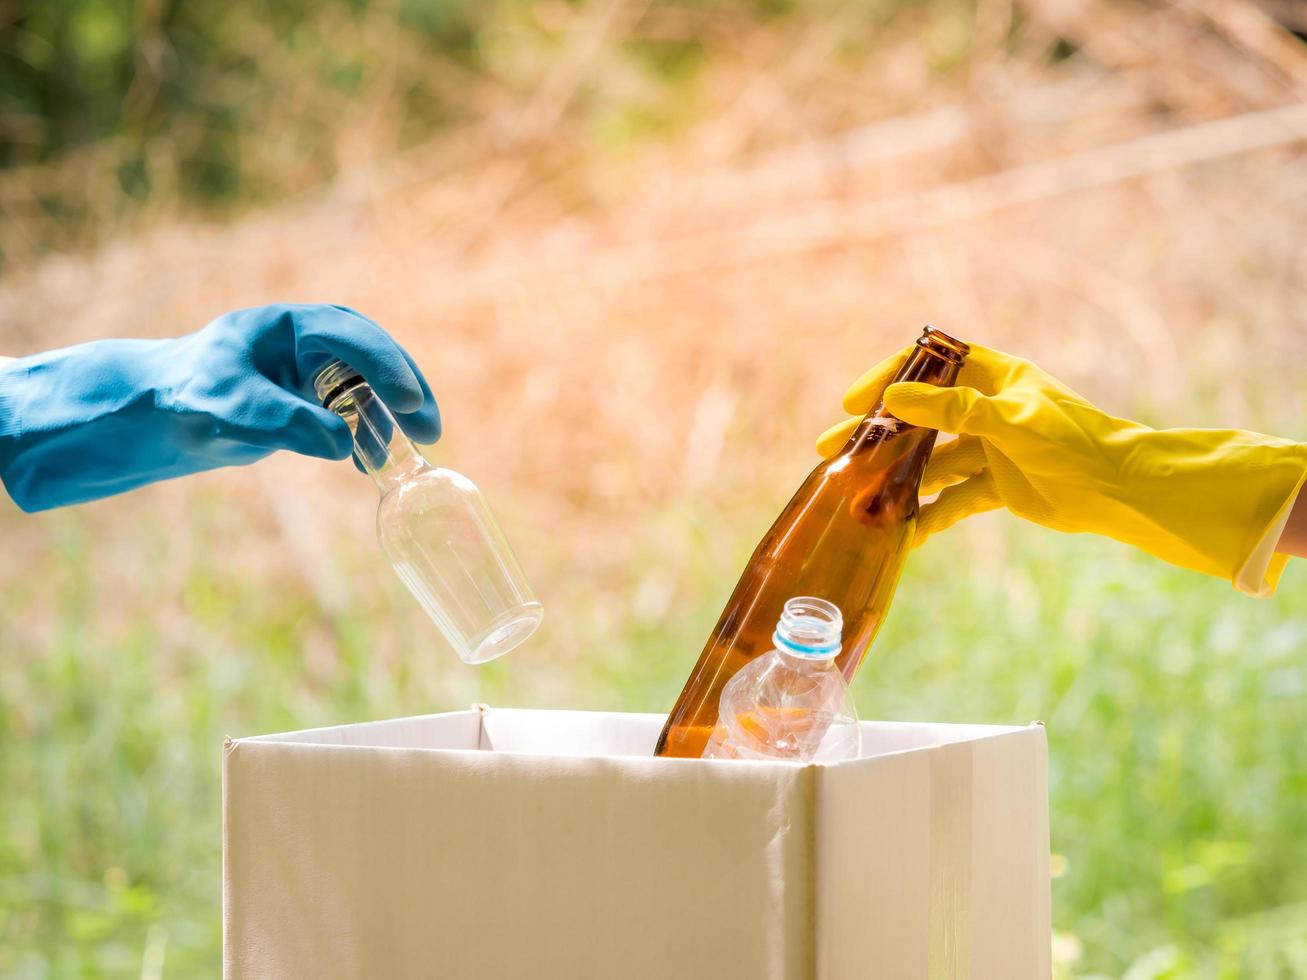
column 456, row 730
column 569, row 732
column 887, row 737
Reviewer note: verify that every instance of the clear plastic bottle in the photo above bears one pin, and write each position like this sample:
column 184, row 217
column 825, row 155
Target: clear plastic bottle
column 436, row 528
column 793, row 703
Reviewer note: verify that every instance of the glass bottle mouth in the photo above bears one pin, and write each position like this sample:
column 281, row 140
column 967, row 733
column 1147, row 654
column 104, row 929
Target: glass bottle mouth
column 333, row 380
column 809, row 627
column 938, row 342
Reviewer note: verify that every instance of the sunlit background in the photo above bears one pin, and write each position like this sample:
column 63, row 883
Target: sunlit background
column 640, row 248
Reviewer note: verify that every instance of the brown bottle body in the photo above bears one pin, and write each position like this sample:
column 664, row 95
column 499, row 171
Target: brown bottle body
column 843, row 537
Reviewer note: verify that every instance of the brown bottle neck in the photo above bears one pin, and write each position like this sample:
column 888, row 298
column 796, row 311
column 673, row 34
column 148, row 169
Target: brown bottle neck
column 928, row 365
column 924, row 364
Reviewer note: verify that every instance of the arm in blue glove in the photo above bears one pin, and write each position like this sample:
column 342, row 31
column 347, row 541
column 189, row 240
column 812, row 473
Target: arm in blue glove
column 105, row 417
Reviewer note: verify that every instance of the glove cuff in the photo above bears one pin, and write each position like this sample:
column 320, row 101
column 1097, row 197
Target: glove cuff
column 1260, row 572
column 69, row 420
column 12, row 379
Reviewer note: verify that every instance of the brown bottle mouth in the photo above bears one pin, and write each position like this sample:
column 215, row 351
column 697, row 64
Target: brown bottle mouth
column 938, row 342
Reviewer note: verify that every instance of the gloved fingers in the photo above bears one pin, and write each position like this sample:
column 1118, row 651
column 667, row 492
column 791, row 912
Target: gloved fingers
column 862, row 396
column 422, row 426
column 949, row 463
column 273, row 418
column 973, row 496
column 952, row 463
column 311, row 430
column 833, row 439
column 959, row 409
column 985, row 369
column 982, row 370
column 983, row 374
column 350, row 336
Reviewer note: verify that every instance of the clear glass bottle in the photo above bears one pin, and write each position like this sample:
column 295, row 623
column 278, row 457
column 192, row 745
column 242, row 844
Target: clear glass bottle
column 792, row 704
column 436, row 528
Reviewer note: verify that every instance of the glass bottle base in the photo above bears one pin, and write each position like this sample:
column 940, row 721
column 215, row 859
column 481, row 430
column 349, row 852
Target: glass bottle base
column 504, row 634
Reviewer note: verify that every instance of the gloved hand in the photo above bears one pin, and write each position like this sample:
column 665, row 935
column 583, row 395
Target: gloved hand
column 101, row 418
column 1208, row 499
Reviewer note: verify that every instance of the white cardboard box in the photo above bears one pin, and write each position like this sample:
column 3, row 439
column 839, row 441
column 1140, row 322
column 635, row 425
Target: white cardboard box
column 549, row 844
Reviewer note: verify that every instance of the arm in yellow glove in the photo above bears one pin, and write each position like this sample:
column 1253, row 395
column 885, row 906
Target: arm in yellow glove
column 1213, row 500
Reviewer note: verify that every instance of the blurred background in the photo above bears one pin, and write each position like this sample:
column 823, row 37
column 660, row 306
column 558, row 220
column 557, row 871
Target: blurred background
column 640, row 248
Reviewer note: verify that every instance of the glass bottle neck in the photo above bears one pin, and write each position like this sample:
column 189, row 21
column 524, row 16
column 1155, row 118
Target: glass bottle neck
column 380, row 445
column 922, row 364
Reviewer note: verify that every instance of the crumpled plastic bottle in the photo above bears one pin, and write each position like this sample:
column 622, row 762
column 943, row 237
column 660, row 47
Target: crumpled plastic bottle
column 791, row 704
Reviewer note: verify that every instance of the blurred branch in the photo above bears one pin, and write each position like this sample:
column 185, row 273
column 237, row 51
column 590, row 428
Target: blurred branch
column 585, row 46
column 1185, row 67
column 1290, row 13
column 297, row 533
column 499, row 150
column 932, row 131
column 1249, row 28
column 843, row 223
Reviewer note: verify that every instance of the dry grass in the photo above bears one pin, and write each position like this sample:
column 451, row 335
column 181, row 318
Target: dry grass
column 620, row 329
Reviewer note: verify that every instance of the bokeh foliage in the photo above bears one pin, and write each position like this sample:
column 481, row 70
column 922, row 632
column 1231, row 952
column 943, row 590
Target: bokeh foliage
column 213, row 105
column 75, row 72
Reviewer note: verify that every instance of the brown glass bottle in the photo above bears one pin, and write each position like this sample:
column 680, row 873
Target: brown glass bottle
column 843, row 537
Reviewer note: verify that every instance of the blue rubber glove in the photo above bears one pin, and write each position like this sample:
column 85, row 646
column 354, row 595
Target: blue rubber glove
column 101, row 418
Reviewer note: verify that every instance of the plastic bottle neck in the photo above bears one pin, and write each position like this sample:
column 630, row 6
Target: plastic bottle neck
column 808, row 632
column 801, row 664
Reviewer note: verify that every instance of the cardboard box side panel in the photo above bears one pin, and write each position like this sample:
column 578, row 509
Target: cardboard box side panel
column 1011, row 927
column 452, row 730
column 933, row 864
column 356, row 862
column 951, row 795
column 230, row 941
column 872, row 844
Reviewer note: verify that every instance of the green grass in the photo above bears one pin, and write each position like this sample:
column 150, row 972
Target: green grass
column 1173, row 706
column 1173, row 712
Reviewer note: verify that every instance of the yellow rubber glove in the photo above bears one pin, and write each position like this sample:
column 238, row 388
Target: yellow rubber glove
column 1208, row 499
